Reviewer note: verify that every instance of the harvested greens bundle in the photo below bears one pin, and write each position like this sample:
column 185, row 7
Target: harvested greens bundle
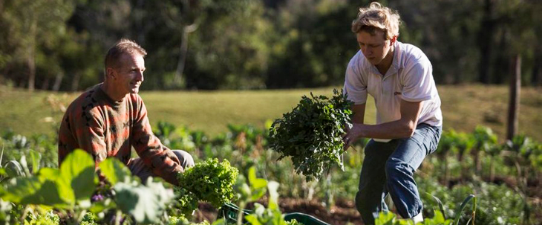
column 210, row 181
column 312, row 133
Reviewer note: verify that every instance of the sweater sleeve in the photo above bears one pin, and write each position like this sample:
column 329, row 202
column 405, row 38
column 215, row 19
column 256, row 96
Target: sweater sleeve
column 86, row 125
column 159, row 158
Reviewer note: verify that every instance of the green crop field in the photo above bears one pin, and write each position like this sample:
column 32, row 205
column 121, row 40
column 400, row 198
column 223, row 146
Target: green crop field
column 464, row 107
column 469, row 164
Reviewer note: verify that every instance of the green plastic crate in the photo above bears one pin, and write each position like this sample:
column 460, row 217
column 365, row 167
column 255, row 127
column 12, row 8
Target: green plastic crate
column 229, row 212
column 304, row 219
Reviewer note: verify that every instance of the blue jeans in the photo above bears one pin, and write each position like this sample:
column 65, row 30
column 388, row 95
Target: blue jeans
column 389, row 168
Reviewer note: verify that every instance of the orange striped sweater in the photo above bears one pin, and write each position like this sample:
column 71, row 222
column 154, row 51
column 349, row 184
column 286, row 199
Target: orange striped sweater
column 107, row 128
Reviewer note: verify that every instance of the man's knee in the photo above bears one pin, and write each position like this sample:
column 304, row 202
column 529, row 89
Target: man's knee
column 396, row 168
column 185, row 158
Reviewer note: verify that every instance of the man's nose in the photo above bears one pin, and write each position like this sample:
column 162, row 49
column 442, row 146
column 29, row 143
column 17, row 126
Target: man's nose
column 366, row 50
column 140, row 76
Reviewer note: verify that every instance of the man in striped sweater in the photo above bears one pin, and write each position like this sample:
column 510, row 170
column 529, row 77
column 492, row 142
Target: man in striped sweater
column 110, row 118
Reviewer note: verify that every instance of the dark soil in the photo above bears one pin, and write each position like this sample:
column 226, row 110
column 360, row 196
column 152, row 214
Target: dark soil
column 344, row 211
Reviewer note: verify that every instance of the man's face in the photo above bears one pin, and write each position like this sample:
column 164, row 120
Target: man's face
column 374, row 47
column 129, row 73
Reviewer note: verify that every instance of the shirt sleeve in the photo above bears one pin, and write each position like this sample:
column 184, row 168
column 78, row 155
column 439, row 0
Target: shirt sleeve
column 417, row 81
column 159, row 158
column 355, row 86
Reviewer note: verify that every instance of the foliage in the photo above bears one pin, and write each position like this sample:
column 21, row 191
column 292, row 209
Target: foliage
column 115, row 172
column 208, row 181
column 31, row 27
column 505, row 200
column 173, row 137
column 496, row 204
column 72, row 184
column 185, row 202
column 145, row 203
column 49, row 218
column 272, row 214
column 255, row 189
column 183, row 221
column 69, row 190
column 312, row 40
column 236, row 29
column 255, row 44
column 36, row 148
column 388, row 218
column 312, row 133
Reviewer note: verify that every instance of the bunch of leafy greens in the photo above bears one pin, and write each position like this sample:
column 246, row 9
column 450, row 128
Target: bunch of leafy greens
column 208, row 181
column 311, row 134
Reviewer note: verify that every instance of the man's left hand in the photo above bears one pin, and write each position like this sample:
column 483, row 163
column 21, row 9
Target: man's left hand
column 352, row 135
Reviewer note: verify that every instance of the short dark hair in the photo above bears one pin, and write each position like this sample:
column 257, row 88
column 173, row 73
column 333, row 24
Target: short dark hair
column 124, row 46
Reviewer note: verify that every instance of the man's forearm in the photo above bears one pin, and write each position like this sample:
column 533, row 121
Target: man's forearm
column 390, row 130
column 401, row 128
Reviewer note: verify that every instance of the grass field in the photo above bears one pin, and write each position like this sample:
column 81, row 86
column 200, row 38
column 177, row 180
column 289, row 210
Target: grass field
column 464, row 107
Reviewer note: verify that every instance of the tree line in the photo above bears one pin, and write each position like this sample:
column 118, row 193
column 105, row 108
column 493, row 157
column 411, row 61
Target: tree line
column 257, row 44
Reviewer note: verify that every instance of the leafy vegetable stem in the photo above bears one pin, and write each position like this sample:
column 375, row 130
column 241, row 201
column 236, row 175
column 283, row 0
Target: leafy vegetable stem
column 240, row 215
column 118, row 217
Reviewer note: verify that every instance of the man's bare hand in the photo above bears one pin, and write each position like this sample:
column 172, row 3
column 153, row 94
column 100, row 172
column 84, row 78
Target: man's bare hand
column 352, row 135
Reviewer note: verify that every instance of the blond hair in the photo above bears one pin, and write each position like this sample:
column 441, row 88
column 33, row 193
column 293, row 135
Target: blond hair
column 377, row 17
column 124, row 46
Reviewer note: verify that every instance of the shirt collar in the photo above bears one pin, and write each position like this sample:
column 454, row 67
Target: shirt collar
column 395, row 64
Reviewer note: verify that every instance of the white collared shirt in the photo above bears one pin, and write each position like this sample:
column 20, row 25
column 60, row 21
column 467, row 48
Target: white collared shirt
column 410, row 77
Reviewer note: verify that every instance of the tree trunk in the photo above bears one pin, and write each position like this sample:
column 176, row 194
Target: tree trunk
column 492, row 170
column 45, row 84
column 31, row 64
column 75, row 82
column 513, row 106
column 31, row 54
column 536, row 76
column 485, row 40
column 177, row 80
column 502, row 66
column 58, row 81
column 477, row 162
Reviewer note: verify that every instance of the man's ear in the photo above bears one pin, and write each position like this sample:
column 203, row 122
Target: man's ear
column 393, row 40
column 110, row 73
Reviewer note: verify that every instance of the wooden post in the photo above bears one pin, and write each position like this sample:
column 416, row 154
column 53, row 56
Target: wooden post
column 513, row 106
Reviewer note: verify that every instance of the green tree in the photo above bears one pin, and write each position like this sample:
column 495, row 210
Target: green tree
column 517, row 34
column 27, row 25
column 230, row 49
column 312, row 45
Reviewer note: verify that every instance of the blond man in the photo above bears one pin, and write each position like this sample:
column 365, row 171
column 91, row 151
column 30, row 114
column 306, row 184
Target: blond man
column 111, row 118
column 408, row 122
